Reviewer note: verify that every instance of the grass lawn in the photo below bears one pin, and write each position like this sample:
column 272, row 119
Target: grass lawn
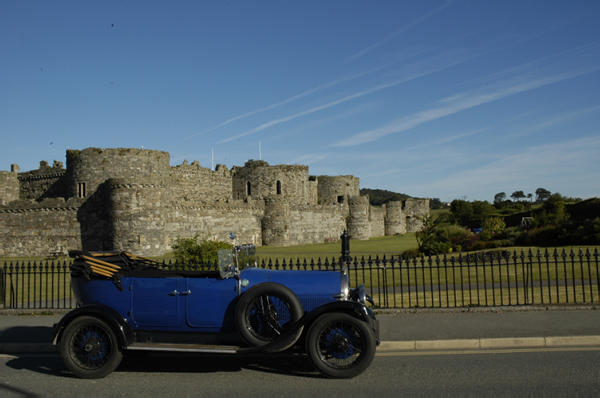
column 387, row 245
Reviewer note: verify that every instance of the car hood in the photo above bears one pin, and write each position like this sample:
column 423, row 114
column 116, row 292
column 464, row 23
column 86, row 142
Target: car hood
column 313, row 288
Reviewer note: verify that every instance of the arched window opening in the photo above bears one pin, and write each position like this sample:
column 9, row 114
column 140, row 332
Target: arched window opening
column 248, row 189
column 278, row 187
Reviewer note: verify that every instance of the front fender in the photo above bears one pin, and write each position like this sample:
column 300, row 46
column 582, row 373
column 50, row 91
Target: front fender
column 352, row 308
column 122, row 329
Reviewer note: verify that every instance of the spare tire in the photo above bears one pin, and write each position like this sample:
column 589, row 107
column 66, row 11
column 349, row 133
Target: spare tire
column 267, row 311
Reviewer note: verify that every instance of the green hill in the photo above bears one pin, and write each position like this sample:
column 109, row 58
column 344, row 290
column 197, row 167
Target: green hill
column 378, row 197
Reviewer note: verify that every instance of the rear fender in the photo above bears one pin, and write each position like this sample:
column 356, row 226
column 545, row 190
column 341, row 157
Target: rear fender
column 122, row 329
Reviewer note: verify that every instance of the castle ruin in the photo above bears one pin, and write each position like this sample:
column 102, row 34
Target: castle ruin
column 133, row 200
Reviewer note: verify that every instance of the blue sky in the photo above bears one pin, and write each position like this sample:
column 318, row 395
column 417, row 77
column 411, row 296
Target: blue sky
column 444, row 99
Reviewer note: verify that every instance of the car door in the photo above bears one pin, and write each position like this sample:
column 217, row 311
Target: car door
column 210, row 304
column 156, row 301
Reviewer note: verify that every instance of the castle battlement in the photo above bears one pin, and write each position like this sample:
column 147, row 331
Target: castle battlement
column 133, row 199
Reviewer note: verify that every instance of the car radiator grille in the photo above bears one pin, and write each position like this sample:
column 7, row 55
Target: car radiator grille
column 309, row 303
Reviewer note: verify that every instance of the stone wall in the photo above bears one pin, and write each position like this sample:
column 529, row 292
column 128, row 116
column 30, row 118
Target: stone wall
column 377, row 221
column 415, row 210
column 45, row 182
column 195, row 185
column 215, row 222
column 9, row 186
column 39, row 229
column 317, row 223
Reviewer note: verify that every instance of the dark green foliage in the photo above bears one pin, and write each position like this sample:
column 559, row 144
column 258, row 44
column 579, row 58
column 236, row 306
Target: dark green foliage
column 436, row 203
column 190, row 250
column 541, row 194
column 499, row 197
column 471, row 214
column 518, row 195
column 378, row 197
column 508, row 207
column 439, row 240
column 587, row 209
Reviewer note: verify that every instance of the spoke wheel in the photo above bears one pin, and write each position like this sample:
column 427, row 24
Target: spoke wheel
column 266, row 312
column 89, row 348
column 340, row 346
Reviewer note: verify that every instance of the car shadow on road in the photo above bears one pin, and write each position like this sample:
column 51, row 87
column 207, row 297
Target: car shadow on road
column 289, row 364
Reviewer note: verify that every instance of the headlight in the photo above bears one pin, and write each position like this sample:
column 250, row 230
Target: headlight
column 362, row 294
column 359, row 294
column 344, row 287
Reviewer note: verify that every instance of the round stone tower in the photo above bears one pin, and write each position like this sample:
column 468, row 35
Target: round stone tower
column 89, row 168
column 358, row 223
column 257, row 181
column 276, row 222
column 395, row 221
column 136, row 209
column 337, row 189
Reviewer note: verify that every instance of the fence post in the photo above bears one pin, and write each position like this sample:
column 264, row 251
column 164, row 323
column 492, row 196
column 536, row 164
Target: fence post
column 2, row 284
column 345, row 258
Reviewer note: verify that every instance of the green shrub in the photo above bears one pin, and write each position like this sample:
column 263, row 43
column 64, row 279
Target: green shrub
column 410, row 253
column 491, row 227
column 190, row 250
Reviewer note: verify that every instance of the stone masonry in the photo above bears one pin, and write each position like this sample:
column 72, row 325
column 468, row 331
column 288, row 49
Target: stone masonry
column 133, row 200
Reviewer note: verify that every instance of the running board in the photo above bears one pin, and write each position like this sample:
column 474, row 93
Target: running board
column 216, row 349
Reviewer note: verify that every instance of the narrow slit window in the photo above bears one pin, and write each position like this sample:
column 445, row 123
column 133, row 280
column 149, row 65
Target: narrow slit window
column 248, row 189
column 278, row 187
column 81, row 190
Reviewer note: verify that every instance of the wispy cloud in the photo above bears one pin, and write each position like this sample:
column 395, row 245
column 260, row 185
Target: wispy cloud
column 546, row 164
column 410, row 72
column 547, row 124
column 398, row 32
column 305, row 94
column 466, row 100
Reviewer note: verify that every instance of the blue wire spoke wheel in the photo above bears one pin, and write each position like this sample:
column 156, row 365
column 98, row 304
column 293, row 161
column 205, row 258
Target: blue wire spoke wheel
column 89, row 348
column 340, row 346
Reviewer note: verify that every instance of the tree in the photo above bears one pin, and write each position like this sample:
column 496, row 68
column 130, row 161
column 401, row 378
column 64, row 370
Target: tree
column 469, row 214
column 436, row 203
column 462, row 211
column 499, row 197
column 542, row 194
column 553, row 212
column 517, row 195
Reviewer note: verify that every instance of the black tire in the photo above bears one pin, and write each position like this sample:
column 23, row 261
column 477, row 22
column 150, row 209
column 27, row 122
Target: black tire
column 89, row 348
column 340, row 346
column 265, row 312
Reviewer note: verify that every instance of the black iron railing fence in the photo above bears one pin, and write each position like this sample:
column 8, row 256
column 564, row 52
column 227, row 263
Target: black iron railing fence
column 481, row 279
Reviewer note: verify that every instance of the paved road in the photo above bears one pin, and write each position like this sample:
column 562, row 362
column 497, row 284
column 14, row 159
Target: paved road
column 400, row 329
column 566, row 372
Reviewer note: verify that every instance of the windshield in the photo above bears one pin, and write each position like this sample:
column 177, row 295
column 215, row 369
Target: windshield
column 246, row 258
column 226, row 265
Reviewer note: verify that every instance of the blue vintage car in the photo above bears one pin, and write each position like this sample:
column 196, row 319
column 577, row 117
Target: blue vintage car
column 128, row 304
